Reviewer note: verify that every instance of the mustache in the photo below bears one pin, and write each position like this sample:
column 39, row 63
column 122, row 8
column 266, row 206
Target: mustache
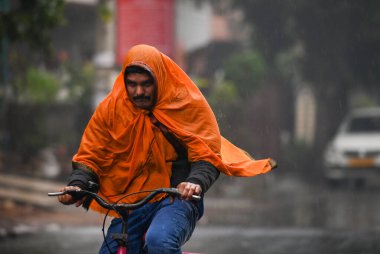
column 140, row 97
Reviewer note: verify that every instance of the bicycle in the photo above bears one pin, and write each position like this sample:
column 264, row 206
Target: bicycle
column 122, row 209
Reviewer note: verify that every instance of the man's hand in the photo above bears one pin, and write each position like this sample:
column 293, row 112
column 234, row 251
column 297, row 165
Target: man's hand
column 189, row 189
column 68, row 199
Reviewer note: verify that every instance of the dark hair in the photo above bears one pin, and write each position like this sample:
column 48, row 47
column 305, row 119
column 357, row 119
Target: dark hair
column 136, row 69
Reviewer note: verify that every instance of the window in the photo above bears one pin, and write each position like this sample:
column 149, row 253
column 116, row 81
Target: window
column 364, row 124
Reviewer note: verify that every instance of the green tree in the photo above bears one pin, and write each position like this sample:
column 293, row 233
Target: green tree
column 341, row 48
column 25, row 28
column 31, row 21
column 37, row 87
column 246, row 70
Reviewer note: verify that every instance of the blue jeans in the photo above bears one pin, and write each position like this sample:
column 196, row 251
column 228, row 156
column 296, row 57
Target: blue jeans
column 166, row 224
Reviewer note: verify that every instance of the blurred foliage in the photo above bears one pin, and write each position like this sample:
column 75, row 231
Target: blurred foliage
column 237, row 79
column 38, row 86
column 51, row 109
column 105, row 13
column 25, row 32
column 340, row 41
column 202, row 83
column 50, row 93
column 70, row 84
column 332, row 45
column 272, row 24
column 77, row 83
column 31, row 21
column 360, row 99
column 225, row 93
column 246, row 71
column 288, row 61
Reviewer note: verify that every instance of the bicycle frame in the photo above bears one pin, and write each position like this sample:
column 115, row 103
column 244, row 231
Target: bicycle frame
column 122, row 209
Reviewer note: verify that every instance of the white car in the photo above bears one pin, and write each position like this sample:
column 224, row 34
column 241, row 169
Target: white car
column 354, row 153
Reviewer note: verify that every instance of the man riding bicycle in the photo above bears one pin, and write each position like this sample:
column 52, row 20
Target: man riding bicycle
column 153, row 130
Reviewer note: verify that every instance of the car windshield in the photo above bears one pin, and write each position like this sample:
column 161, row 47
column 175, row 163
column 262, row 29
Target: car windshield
column 364, row 124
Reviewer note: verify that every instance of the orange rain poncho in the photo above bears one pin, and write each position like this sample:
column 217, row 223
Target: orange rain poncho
column 129, row 154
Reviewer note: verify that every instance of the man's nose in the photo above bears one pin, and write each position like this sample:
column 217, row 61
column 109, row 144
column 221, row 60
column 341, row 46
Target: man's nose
column 139, row 90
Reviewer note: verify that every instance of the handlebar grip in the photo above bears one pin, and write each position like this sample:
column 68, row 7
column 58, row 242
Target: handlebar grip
column 78, row 194
column 53, row 194
column 175, row 191
column 196, row 198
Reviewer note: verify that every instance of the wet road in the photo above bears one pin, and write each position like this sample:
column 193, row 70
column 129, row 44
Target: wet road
column 294, row 218
column 212, row 240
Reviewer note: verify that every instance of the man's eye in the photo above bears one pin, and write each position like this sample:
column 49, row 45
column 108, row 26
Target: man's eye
column 131, row 84
column 147, row 84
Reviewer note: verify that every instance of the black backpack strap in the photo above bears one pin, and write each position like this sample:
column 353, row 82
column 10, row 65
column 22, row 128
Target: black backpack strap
column 177, row 145
column 180, row 167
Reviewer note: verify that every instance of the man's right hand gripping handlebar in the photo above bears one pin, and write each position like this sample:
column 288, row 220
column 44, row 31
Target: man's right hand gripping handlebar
column 188, row 189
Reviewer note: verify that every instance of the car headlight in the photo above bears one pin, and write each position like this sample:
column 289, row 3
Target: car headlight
column 333, row 156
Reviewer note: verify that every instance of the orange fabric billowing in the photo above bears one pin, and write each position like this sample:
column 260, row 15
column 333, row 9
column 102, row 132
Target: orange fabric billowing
column 130, row 154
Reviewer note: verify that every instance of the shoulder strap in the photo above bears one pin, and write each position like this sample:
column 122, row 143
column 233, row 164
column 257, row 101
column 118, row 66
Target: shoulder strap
column 177, row 145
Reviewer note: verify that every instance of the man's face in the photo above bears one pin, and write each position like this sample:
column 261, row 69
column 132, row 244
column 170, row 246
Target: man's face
column 141, row 89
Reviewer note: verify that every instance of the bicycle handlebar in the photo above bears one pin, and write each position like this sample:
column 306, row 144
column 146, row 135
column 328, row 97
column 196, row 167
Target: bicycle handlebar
column 122, row 206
